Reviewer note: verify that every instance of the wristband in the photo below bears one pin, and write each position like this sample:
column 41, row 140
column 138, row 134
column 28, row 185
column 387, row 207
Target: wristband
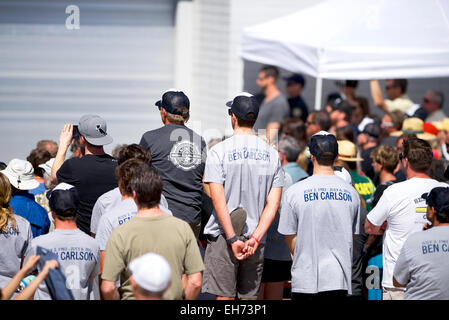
column 258, row 242
column 232, row 240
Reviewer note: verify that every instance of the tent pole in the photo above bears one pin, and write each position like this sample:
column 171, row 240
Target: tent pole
column 318, row 93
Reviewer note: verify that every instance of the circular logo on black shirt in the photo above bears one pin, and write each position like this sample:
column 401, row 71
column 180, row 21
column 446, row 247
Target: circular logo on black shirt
column 185, row 155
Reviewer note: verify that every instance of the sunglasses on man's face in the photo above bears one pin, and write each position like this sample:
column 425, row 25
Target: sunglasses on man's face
column 230, row 112
column 401, row 156
column 389, row 87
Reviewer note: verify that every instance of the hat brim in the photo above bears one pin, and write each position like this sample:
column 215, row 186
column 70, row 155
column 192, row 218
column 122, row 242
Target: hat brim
column 426, row 136
column 24, row 185
column 343, row 158
column 102, row 141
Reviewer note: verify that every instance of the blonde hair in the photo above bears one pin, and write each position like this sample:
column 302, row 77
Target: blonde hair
column 6, row 213
column 179, row 119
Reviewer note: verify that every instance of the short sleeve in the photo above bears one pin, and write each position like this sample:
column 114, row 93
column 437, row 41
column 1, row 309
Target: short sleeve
column 193, row 262
column 114, row 262
column 26, row 250
column 356, row 219
column 103, row 233
column 379, row 214
column 97, row 213
column 288, row 220
column 214, row 171
column 278, row 180
column 143, row 142
column 402, row 267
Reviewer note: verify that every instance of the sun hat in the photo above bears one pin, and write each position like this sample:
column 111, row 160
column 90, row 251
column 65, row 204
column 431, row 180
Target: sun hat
column 414, row 126
column 20, row 174
column 347, row 151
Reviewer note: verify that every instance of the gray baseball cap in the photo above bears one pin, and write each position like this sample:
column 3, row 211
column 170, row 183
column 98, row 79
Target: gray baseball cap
column 93, row 129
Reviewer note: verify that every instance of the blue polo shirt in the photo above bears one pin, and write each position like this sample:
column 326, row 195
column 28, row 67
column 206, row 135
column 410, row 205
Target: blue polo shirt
column 24, row 205
column 295, row 171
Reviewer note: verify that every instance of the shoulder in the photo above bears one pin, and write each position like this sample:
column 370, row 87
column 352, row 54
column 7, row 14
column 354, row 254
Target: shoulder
column 109, row 196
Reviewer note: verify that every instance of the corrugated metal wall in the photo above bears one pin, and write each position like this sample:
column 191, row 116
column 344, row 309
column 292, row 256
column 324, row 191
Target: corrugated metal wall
column 116, row 65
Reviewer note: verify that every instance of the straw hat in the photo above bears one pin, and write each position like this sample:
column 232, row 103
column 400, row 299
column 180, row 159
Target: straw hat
column 442, row 124
column 414, row 126
column 347, row 151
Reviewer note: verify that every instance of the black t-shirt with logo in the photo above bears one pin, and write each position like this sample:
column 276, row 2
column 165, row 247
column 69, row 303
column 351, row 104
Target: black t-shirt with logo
column 179, row 155
column 91, row 175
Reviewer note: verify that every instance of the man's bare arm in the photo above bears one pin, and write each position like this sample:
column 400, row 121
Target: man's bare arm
column 376, row 95
column 65, row 138
column 193, row 286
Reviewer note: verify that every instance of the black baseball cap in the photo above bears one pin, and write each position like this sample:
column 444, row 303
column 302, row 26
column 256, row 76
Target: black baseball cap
column 323, row 146
column 438, row 198
column 62, row 198
column 172, row 100
column 243, row 105
column 372, row 129
column 296, row 77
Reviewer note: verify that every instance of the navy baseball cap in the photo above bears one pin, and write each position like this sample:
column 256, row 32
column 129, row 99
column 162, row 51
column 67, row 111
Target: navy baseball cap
column 62, row 198
column 372, row 129
column 323, row 146
column 172, row 100
column 296, row 77
column 243, row 105
column 438, row 198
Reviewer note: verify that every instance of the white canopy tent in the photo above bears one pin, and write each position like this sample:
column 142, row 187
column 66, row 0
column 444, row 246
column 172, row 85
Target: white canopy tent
column 356, row 39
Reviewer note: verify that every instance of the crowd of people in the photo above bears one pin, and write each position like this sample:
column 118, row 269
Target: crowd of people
column 297, row 204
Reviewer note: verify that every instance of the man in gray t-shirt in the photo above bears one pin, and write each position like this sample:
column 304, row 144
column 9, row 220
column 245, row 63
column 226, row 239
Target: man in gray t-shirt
column 274, row 107
column 319, row 216
column 78, row 254
column 423, row 264
column 242, row 172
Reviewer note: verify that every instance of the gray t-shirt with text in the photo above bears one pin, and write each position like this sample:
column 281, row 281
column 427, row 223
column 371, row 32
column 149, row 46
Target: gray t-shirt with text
column 248, row 168
column 14, row 244
column 323, row 211
column 423, row 265
column 78, row 259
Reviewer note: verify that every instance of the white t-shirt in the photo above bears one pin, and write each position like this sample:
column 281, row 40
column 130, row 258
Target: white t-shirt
column 402, row 206
column 323, row 211
column 109, row 200
column 248, row 168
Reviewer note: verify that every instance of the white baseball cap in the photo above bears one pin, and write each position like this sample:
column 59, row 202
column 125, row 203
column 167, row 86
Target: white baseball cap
column 151, row 272
column 20, row 174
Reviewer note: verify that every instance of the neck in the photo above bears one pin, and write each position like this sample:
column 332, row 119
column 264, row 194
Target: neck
column 317, row 169
column 341, row 123
column 149, row 212
column 243, row 131
column 94, row 150
column 271, row 91
column 65, row 225
column 124, row 197
column 385, row 176
column 284, row 162
column 413, row 174
column 437, row 223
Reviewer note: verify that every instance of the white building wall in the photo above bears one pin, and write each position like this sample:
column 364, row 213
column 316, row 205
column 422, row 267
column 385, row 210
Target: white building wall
column 217, row 68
